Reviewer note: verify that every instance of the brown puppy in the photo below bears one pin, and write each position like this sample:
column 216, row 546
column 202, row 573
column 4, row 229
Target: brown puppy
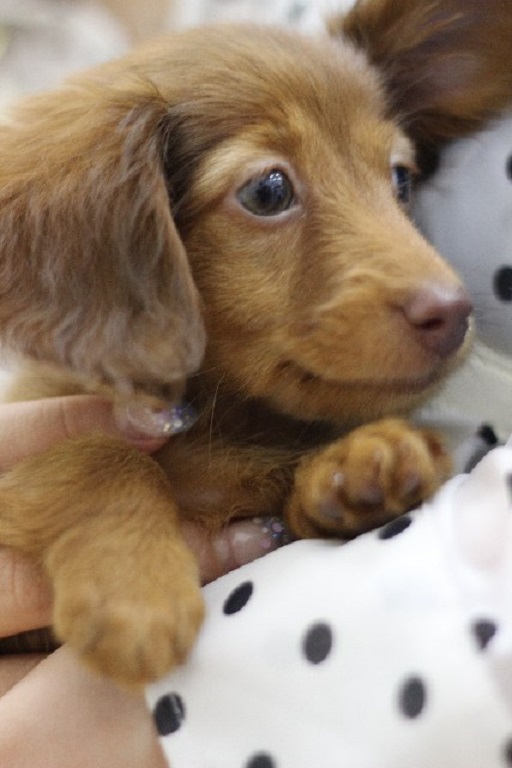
column 253, row 181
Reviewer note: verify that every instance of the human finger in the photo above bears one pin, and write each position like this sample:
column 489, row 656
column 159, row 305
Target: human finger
column 33, row 426
column 25, row 594
column 235, row 544
column 14, row 668
column 93, row 722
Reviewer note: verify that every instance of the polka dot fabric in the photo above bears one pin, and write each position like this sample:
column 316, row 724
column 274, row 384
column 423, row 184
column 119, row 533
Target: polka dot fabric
column 465, row 210
column 391, row 651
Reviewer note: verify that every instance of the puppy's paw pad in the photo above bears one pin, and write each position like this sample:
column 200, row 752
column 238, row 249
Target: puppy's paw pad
column 373, row 475
column 131, row 641
column 134, row 618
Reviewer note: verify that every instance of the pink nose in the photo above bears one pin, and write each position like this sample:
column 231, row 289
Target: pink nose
column 439, row 316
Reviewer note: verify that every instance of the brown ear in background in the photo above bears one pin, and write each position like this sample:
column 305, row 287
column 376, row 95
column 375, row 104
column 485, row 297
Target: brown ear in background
column 446, row 63
column 93, row 274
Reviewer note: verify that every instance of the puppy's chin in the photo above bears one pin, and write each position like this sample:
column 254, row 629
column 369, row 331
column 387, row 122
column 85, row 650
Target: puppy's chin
column 297, row 392
column 310, row 398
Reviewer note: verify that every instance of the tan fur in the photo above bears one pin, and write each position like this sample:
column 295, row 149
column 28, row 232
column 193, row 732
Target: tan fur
column 122, row 235
column 431, row 53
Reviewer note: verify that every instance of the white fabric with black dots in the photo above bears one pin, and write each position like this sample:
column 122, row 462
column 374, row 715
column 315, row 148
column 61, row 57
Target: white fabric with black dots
column 391, row 651
column 465, row 210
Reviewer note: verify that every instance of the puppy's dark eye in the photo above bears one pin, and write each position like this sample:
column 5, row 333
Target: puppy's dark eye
column 402, row 182
column 267, row 195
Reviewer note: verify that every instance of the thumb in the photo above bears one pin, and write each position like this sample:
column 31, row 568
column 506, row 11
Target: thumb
column 234, row 545
column 33, row 426
column 26, row 596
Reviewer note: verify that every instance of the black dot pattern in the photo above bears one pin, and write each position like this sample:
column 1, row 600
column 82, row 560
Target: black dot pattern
column 238, row 598
column 507, row 753
column 169, row 714
column 508, row 481
column 483, row 631
column 413, row 697
column 261, row 761
column 488, row 435
column 395, row 527
column 317, row 643
column 502, row 283
column 508, row 167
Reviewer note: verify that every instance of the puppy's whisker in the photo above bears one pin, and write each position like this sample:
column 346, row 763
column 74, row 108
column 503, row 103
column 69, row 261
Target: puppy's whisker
column 212, row 413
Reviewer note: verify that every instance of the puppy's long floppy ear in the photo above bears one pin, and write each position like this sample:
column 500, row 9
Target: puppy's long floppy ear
column 446, row 63
column 93, row 274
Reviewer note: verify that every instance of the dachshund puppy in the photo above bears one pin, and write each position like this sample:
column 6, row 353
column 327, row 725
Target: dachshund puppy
column 252, row 183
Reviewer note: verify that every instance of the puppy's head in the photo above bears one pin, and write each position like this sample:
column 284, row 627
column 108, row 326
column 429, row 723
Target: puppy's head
column 318, row 294
column 267, row 174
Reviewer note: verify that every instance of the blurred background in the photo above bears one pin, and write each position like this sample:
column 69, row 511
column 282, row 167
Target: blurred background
column 42, row 41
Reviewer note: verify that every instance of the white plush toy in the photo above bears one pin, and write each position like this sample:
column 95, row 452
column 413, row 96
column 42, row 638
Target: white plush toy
column 465, row 209
column 391, row 651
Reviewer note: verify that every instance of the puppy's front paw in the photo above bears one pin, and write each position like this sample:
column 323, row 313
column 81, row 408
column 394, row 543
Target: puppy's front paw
column 363, row 480
column 131, row 625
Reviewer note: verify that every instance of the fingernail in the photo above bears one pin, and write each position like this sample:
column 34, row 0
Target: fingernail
column 253, row 538
column 155, row 422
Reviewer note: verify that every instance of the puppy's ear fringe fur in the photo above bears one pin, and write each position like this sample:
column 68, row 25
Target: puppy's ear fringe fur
column 446, row 63
column 86, row 212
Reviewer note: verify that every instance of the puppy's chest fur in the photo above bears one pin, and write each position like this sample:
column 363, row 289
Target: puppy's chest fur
column 238, row 460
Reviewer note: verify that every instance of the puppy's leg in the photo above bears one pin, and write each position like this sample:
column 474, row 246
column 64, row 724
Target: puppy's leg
column 99, row 516
column 372, row 475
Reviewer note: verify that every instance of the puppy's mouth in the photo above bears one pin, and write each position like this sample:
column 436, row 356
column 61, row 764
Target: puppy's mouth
column 413, row 385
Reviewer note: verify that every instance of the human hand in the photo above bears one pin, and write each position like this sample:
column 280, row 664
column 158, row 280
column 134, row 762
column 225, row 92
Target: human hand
column 93, row 723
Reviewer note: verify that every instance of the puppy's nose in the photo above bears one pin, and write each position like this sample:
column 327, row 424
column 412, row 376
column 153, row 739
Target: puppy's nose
column 439, row 316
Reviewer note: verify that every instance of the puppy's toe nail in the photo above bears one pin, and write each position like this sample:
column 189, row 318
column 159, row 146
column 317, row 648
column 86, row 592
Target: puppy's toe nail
column 412, row 484
column 332, row 510
column 371, row 495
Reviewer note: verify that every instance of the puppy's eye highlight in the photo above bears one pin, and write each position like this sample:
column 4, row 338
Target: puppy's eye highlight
column 267, row 195
column 402, row 178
